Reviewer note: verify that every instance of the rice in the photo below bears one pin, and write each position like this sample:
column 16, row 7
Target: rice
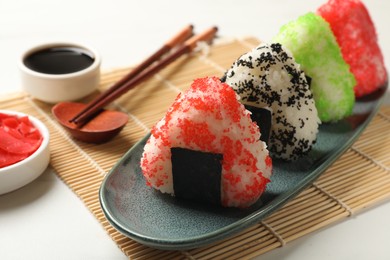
column 311, row 41
column 209, row 118
column 268, row 76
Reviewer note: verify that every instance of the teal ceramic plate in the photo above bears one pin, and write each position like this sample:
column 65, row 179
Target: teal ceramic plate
column 161, row 221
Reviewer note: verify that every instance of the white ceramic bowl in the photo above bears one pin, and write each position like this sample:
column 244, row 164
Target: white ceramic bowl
column 23, row 172
column 53, row 88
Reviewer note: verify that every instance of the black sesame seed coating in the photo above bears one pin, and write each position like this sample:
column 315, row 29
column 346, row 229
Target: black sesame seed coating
column 268, row 76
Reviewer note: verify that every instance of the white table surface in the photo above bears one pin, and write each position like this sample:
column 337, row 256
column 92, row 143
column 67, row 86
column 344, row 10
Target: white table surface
column 45, row 220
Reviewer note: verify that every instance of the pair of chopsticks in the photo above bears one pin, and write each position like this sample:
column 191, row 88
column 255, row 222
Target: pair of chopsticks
column 182, row 43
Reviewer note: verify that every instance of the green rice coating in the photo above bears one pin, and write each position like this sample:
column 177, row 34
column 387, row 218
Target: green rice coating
column 314, row 47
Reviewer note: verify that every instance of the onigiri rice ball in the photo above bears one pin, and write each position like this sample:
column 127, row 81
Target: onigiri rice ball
column 209, row 118
column 355, row 33
column 269, row 77
column 314, row 47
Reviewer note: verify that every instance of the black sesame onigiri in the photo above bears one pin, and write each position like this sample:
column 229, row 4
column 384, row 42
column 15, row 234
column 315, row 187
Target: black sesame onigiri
column 269, row 77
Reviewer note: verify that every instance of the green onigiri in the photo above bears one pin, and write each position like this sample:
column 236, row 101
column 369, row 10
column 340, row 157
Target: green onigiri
column 315, row 48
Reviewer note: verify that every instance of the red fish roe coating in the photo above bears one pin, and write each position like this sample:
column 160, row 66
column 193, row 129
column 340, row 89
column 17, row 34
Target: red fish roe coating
column 355, row 33
column 209, row 118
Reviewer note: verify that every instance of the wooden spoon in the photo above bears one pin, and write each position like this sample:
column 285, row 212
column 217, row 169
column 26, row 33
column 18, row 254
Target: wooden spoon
column 104, row 126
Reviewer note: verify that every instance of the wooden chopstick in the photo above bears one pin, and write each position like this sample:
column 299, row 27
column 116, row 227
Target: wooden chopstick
column 177, row 40
column 187, row 47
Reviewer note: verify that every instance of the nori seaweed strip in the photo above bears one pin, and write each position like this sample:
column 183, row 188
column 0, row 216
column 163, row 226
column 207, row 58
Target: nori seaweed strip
column 308, row 79
column 263, row 118
column 196, row 175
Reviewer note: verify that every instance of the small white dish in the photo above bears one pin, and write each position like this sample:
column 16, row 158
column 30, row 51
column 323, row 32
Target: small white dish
column 17, row 175
column 53, row 83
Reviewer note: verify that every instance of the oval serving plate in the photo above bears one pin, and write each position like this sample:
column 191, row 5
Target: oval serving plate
column 162, row 221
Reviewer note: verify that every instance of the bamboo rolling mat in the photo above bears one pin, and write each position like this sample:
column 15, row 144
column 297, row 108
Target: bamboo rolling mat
column 360, row 178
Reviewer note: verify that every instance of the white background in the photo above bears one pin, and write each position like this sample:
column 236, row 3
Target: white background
column 45, row 220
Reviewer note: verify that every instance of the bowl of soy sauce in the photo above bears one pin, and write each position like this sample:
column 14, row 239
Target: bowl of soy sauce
column 56, row 72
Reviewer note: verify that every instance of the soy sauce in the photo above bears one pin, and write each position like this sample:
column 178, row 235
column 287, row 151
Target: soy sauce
column 59, row 60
